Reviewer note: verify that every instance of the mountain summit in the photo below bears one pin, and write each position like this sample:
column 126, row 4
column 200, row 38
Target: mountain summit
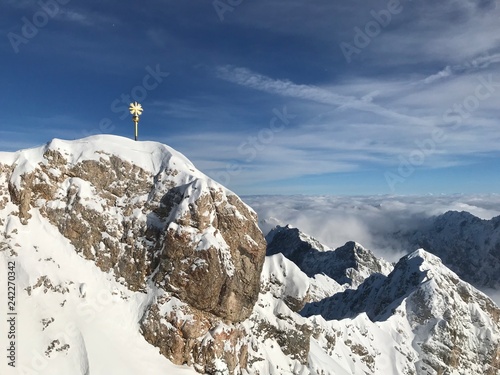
column 127, row 260
column 349, row 264
column 170, row 243
column 467, row 244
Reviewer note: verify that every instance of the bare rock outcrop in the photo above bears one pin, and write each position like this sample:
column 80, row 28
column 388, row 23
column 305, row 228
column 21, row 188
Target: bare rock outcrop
column 183, row 262
column 189, row 336
column 212, row 253
column 142, row 212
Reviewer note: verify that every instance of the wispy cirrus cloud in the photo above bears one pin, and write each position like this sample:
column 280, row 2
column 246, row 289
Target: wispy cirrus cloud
column 351, row 119
column 86, row 18
column 476, row 64
column 247, row 78
column 335, row 132
column 446, row 72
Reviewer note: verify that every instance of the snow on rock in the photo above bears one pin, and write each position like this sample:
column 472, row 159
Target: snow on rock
column 208, row 260
column 150, row 222
column 60, row 333
column 283, row 342
column 467, row 244
column 450, row 326
column 283, row 279
column 349, row 264
column 129, row 260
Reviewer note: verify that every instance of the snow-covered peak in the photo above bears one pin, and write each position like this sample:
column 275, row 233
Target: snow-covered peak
column 349, row 264
column 290, row 239
column 426, row 261
column 128, row 257
column 150, row 156
column 467, row 244
column 283, row 279
column 449, row 325
column 143, row 217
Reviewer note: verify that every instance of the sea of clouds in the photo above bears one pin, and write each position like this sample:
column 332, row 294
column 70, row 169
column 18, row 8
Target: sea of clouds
column 369, row 220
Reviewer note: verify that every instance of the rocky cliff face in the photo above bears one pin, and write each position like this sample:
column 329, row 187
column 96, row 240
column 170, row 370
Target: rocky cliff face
column 212, row 248
column 142, row 212
column 467, row 244
column 128, row 259
column 349, row 264
column 454, row 328
column 435, row 322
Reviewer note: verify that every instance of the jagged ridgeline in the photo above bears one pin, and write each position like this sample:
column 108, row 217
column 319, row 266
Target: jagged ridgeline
column 129, row 260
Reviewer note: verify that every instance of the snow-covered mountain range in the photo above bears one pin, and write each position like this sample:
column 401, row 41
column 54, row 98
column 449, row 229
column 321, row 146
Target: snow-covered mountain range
column 467, row 244
column 129, row 260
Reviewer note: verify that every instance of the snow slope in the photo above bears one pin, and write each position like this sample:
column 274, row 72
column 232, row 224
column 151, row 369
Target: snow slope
column 65, row 302
column 86, row 317
column 81, row 315
column 108, row 236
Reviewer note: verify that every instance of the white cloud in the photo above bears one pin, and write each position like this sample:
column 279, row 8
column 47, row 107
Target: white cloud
column 434, row 39
column 486, row 61
column 331, row 134
column 476, row 64
column 368, row 220
column 446, row 72
column 247, row 78
column 180, row 108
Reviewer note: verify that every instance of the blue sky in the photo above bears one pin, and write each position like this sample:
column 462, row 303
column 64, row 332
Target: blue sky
column 268, row 97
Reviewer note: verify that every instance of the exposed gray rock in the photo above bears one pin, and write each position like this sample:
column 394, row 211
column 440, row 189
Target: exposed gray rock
column 167, row 227
column 467, row 244
column 188, row 255
column 221, row 279
column 454, row 325
column 350, row 264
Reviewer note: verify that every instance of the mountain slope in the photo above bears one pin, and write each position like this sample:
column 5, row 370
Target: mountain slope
column 453, row 326
column 349, row 264
column 72, row 317
column 129, row 260
column 421, row 315
column 174, row 241
column 467, row 244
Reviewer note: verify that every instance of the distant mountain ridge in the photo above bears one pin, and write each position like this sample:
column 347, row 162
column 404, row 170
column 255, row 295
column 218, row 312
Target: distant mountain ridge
column 449, row 333
column 130, row 260
column 349, row 264
column 468, row 245
column 430, row 311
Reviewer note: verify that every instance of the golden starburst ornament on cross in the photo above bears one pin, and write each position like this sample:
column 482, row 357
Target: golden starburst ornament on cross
column 136, row 110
